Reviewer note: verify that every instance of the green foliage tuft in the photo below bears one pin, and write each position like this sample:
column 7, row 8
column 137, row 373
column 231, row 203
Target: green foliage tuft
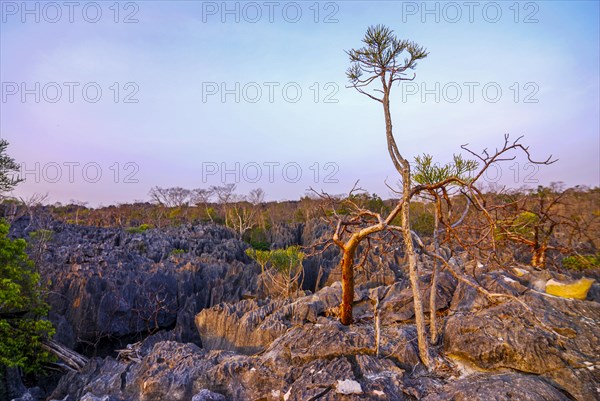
column 41, row 235
column 427, row 172
column 287, row 260
column 582, row 262
column 282, row 267
column 522, row 224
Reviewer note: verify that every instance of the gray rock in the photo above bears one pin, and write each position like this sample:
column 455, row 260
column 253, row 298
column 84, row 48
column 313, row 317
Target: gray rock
column 92, row 397
column 11, row 385
column 109, row 283
column 397, row 304
column 207, row 395
column 507, row 336
column 308, row 360
column 348, row 387
column 26, row 397
column 507, row 387
column 250, row 326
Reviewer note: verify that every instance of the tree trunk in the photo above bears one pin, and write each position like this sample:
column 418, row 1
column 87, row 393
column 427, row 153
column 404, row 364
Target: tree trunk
column 403, row 167
column 539, row 256
column 377, row 326
column 71, row 358
column 347, row 265
column 414, row 274
column 433, row 292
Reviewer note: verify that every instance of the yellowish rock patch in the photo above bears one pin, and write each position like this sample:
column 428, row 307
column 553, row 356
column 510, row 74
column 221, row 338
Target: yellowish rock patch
column 575, row 290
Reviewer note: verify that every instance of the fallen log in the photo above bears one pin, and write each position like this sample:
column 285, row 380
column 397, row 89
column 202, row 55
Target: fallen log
column 71, row 358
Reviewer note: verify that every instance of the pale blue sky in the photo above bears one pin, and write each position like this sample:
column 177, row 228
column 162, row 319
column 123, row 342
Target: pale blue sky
column 176, row 50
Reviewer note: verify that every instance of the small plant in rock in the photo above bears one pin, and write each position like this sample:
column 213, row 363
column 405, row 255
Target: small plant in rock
column 138, row 230
column 177, row 252
column 582, row 262
column 282, row 267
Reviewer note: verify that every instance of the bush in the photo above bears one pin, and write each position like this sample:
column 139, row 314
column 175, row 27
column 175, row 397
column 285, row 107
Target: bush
column 138, row 230
column 422, row 222
column 257, row 238
column 260, row 245
column 283, row 267
column 22, row 310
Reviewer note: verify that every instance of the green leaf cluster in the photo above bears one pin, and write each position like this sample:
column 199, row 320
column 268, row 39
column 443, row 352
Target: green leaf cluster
column 7, row 169
column 427, row 172
column 380, row 53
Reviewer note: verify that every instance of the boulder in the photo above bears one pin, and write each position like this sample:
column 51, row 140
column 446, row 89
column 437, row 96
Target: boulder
column 555, row 338
column 252, row 325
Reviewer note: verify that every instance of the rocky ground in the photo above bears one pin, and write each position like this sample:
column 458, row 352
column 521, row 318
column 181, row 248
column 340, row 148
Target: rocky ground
column 201, row 326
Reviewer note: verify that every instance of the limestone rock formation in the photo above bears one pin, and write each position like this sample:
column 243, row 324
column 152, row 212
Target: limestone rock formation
column 110, row 283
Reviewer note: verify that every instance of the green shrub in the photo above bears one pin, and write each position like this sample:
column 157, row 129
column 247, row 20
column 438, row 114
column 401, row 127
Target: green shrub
column 211, row 214
column 22, row 309
column 176, row 252
column 282, row 266
column 138, row 230
column 582, row 262
column 260, row 245
column 257, row 238
column 422, row 222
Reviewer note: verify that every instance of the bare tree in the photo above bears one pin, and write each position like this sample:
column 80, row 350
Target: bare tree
column 32, row 203
column 531, row 219
column 78, row 205
column 358, row 224
column 201, row 198
column 170, row 197
column 256, row 196
column 225, row 195
column 245, row 210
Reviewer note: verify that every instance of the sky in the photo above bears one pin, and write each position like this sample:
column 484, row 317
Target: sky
column 102, row 101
